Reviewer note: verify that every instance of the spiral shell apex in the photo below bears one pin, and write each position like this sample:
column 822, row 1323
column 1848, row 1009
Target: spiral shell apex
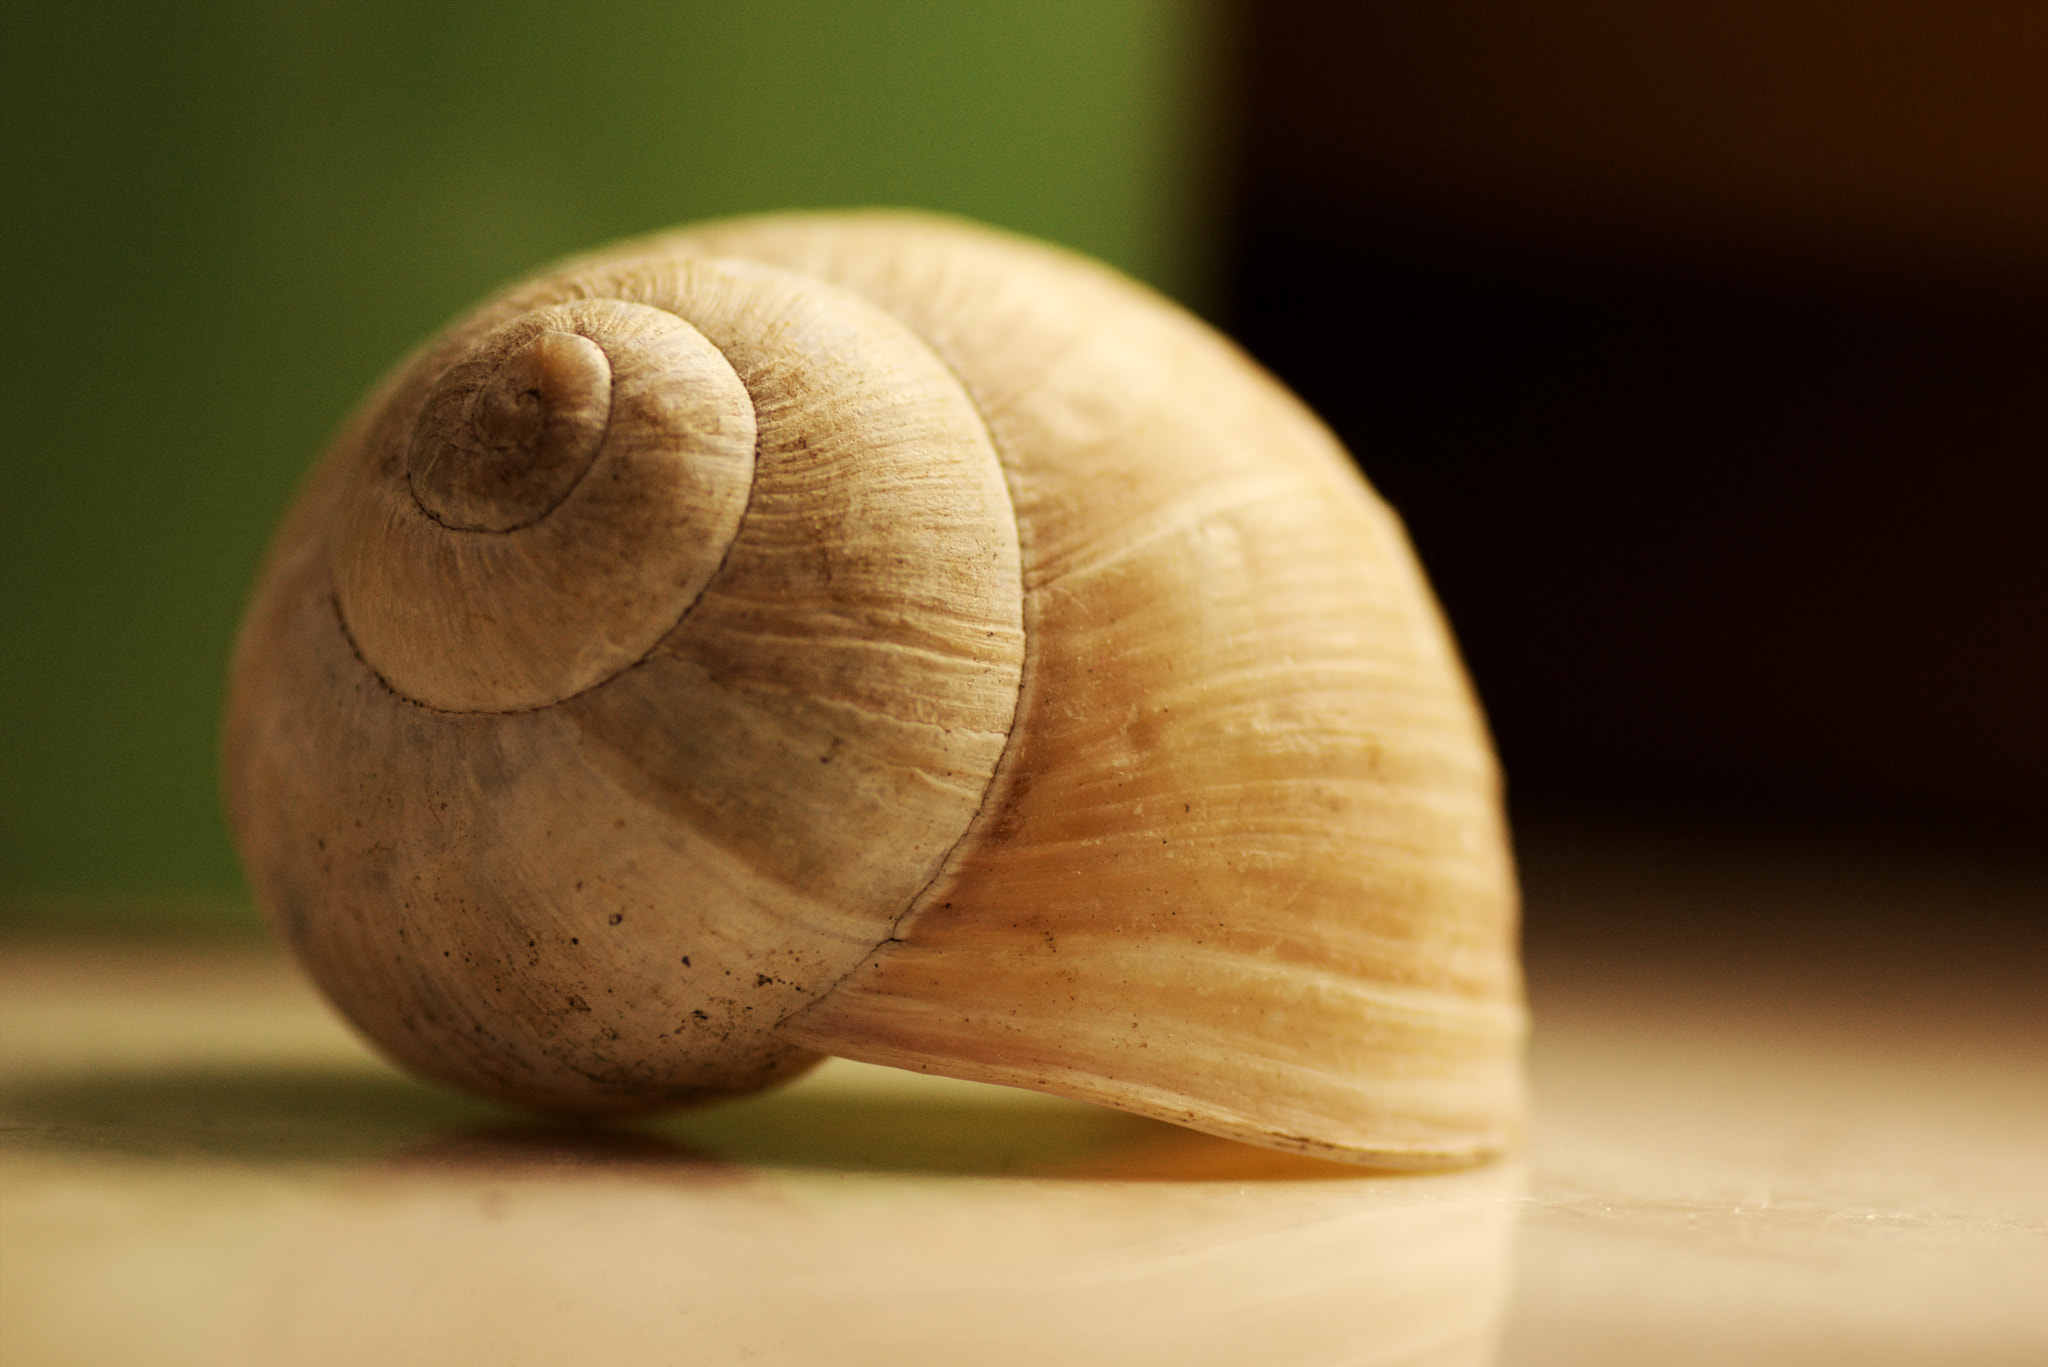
column 879, row 636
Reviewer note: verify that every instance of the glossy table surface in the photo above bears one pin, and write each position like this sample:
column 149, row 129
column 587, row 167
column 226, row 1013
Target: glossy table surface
column 1756, row 1146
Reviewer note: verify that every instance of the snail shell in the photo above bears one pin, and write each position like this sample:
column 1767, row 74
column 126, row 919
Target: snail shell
column 879, row 636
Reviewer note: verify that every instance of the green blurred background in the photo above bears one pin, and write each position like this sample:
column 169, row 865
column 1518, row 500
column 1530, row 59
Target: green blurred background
column 225, row 220
column 1701, row 347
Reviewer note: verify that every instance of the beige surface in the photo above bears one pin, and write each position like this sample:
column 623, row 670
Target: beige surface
column 1759, row 1166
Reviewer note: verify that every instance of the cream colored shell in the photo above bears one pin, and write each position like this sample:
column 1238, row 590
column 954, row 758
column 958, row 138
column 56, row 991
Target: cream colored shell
column 875, row 635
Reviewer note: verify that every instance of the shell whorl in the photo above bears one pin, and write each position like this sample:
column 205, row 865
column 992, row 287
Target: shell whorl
column 701, row 709
column 877, row 636
column 568, row 488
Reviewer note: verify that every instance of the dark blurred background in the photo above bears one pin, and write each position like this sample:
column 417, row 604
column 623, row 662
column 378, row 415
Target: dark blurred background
column 1704, row 348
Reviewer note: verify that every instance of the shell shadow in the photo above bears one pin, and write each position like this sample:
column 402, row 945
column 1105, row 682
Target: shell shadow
column 331, row 1115
column 246, row 1113
column 977, row 1132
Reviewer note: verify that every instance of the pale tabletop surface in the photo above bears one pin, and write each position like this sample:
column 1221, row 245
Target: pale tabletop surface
column 1753, row 1145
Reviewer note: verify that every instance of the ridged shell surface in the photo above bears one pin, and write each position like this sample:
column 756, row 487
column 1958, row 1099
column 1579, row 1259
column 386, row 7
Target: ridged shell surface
column 879, row 636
